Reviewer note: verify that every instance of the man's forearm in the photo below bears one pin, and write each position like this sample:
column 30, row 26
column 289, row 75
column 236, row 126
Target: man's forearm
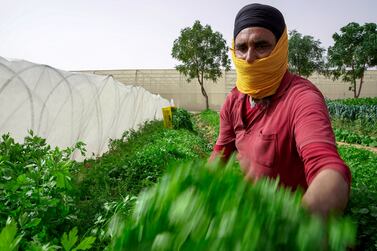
column 223, row 152
column 328, row 192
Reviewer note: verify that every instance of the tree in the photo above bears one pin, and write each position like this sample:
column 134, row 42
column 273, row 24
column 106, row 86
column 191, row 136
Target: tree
column 354, row 51
column 203, row 54
column 305, row 55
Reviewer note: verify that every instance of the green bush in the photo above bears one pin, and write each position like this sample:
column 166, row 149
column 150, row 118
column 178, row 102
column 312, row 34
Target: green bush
column 198, row 207
column 182, row 119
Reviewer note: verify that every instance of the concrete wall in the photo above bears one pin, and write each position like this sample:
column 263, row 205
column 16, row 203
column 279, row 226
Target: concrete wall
column 340, row 90
column 172, row 85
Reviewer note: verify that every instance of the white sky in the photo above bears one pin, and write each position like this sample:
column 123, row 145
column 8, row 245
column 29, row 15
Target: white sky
column 139, row 34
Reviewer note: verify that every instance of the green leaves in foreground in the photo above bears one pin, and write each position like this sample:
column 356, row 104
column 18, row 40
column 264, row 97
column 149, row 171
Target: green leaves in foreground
column 8, row 237
column 68, row 241
column 206, row 207
column 36, row 188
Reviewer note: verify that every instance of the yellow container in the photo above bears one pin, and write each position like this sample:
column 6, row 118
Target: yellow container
column 167, row 113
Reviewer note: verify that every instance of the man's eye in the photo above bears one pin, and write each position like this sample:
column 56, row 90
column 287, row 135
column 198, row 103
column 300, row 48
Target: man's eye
column 241, row 48
column 262, row 47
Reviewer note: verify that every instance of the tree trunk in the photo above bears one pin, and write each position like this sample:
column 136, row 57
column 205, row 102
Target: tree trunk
column 205, row 96
column 360, row 85
column 354, row 82
column 354, row 88
column 298, row 65
column 204, row 93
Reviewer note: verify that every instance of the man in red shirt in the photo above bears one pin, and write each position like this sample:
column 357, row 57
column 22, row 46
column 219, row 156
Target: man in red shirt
column 276, row 121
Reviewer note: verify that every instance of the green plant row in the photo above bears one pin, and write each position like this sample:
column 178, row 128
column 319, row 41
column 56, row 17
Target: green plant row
column 210, row 207
column 357, row 101
column 356, row 126
column 353, row 138
column 109, row 184
column 365, row 113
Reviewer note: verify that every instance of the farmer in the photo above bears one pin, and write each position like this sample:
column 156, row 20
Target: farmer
column 276, row 121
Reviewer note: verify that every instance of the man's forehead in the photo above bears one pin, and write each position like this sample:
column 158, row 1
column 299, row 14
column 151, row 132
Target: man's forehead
column 257, row 34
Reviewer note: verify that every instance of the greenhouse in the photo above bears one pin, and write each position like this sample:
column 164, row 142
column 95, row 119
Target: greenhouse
column 67, row 107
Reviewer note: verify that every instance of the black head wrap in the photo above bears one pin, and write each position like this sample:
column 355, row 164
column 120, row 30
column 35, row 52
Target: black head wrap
column 259, row 15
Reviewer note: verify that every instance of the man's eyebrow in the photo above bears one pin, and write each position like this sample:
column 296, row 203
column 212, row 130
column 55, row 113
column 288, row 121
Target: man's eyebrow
column 261, row 41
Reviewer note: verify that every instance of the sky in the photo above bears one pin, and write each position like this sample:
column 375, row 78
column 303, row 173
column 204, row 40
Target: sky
column 139, row 34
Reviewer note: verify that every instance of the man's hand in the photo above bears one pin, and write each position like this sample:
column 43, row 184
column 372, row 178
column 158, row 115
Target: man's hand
column 327, row 193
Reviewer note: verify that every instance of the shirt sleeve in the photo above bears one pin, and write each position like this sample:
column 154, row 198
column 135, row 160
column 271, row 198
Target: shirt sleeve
column 311, row 120
column 225, row 144
column 226, row 131
column 320, row 156
column 315, row 140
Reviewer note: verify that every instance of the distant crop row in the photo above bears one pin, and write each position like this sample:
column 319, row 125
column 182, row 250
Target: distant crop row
column 357, row 101
column 354, row 138
column 365, row 113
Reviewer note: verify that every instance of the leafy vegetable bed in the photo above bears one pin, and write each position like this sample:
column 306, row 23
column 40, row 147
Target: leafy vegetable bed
column 198, row 207
column 57, row 203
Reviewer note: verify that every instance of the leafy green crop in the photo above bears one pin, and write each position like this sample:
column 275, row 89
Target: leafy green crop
column 8, row 237
column 362, row 206
column 199, row 207
column 351, row 137
column 365, row 113
column 356, row 117
column 69, row 241
column 355, row 126
column 36, row 188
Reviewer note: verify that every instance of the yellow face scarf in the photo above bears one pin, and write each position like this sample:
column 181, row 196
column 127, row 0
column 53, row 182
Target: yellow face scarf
column 262, row 77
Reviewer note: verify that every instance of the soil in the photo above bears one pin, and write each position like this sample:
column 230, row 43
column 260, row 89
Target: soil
column 373, row 149
column 207, row 131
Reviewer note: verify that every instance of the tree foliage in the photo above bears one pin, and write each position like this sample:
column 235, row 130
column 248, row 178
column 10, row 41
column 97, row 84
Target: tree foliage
column 305, row 54
column 354, row 51
column 203, row 54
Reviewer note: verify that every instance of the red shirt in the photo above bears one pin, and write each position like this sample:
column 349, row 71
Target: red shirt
column 287, row 135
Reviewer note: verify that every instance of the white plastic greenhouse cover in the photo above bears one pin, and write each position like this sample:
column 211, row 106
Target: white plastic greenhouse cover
column 67, row 107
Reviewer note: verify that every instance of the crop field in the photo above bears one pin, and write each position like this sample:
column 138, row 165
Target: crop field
column 154, row 191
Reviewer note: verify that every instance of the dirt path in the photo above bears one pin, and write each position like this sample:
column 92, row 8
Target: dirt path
column 207, row 131
column 373, row 149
